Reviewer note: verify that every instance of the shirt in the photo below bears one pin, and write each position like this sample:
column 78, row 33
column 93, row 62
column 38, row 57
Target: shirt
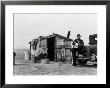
column 79, row 42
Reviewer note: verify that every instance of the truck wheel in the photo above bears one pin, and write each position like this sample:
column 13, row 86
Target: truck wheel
column 82, row 61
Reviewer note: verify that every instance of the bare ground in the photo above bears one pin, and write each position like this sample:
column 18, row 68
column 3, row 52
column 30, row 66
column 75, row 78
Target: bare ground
column 53, row 68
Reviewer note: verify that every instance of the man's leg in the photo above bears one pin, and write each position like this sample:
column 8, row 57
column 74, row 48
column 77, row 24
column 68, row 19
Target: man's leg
column 74, row 62
column 74, row 57
column 14, row 60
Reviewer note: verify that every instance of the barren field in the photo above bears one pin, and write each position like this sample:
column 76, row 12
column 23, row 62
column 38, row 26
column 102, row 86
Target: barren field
column 23, row 67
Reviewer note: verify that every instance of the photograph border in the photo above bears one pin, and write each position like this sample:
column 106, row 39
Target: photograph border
column 3, row 3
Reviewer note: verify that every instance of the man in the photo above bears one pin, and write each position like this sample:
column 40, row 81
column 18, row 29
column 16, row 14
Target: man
column 77, row 47
column 14, row 54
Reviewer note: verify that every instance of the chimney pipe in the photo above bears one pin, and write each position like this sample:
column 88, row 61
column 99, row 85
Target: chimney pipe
column 68, row 35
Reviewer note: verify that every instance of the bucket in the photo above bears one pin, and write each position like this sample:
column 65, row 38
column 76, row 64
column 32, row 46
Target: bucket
column 27, row 55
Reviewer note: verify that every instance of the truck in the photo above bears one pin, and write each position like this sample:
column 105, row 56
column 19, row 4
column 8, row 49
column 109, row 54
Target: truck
column 89, row 52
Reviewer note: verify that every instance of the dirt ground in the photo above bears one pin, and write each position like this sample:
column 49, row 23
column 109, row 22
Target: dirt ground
column 53, row 68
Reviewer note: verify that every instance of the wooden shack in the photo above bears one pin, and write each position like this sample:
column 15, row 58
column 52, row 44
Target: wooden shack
column 55, row 46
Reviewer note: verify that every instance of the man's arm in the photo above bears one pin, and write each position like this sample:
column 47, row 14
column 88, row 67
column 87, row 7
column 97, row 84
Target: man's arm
column 82, row 43
column 74, row 42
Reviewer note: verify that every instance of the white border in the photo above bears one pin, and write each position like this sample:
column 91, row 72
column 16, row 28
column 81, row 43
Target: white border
column 100, row 78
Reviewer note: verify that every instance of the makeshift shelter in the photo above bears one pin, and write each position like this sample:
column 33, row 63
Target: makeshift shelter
column 55, row 46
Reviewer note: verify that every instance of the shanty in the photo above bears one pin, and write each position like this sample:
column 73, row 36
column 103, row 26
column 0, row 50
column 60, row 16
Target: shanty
column 53, row 47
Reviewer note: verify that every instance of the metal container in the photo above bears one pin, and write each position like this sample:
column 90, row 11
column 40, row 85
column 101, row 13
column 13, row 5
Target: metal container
column 27, row 55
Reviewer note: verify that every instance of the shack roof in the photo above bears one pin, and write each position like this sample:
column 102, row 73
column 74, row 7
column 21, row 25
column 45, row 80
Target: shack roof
column 60, row 36
column 52, row 35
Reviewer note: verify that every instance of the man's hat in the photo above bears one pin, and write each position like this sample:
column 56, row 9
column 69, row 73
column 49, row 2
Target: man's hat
column 78, row 35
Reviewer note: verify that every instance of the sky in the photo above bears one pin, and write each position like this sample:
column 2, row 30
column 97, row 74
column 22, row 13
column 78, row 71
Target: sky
column 31, row 26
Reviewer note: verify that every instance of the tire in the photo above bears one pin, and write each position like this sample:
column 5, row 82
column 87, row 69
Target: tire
column 82, row 61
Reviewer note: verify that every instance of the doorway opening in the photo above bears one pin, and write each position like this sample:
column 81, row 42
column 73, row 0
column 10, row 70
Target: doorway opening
column 50, row 46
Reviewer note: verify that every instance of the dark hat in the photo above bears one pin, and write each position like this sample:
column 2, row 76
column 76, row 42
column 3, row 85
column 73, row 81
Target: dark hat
column 78, row 35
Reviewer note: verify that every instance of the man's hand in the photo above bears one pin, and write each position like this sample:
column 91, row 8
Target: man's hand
column 76, row 45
